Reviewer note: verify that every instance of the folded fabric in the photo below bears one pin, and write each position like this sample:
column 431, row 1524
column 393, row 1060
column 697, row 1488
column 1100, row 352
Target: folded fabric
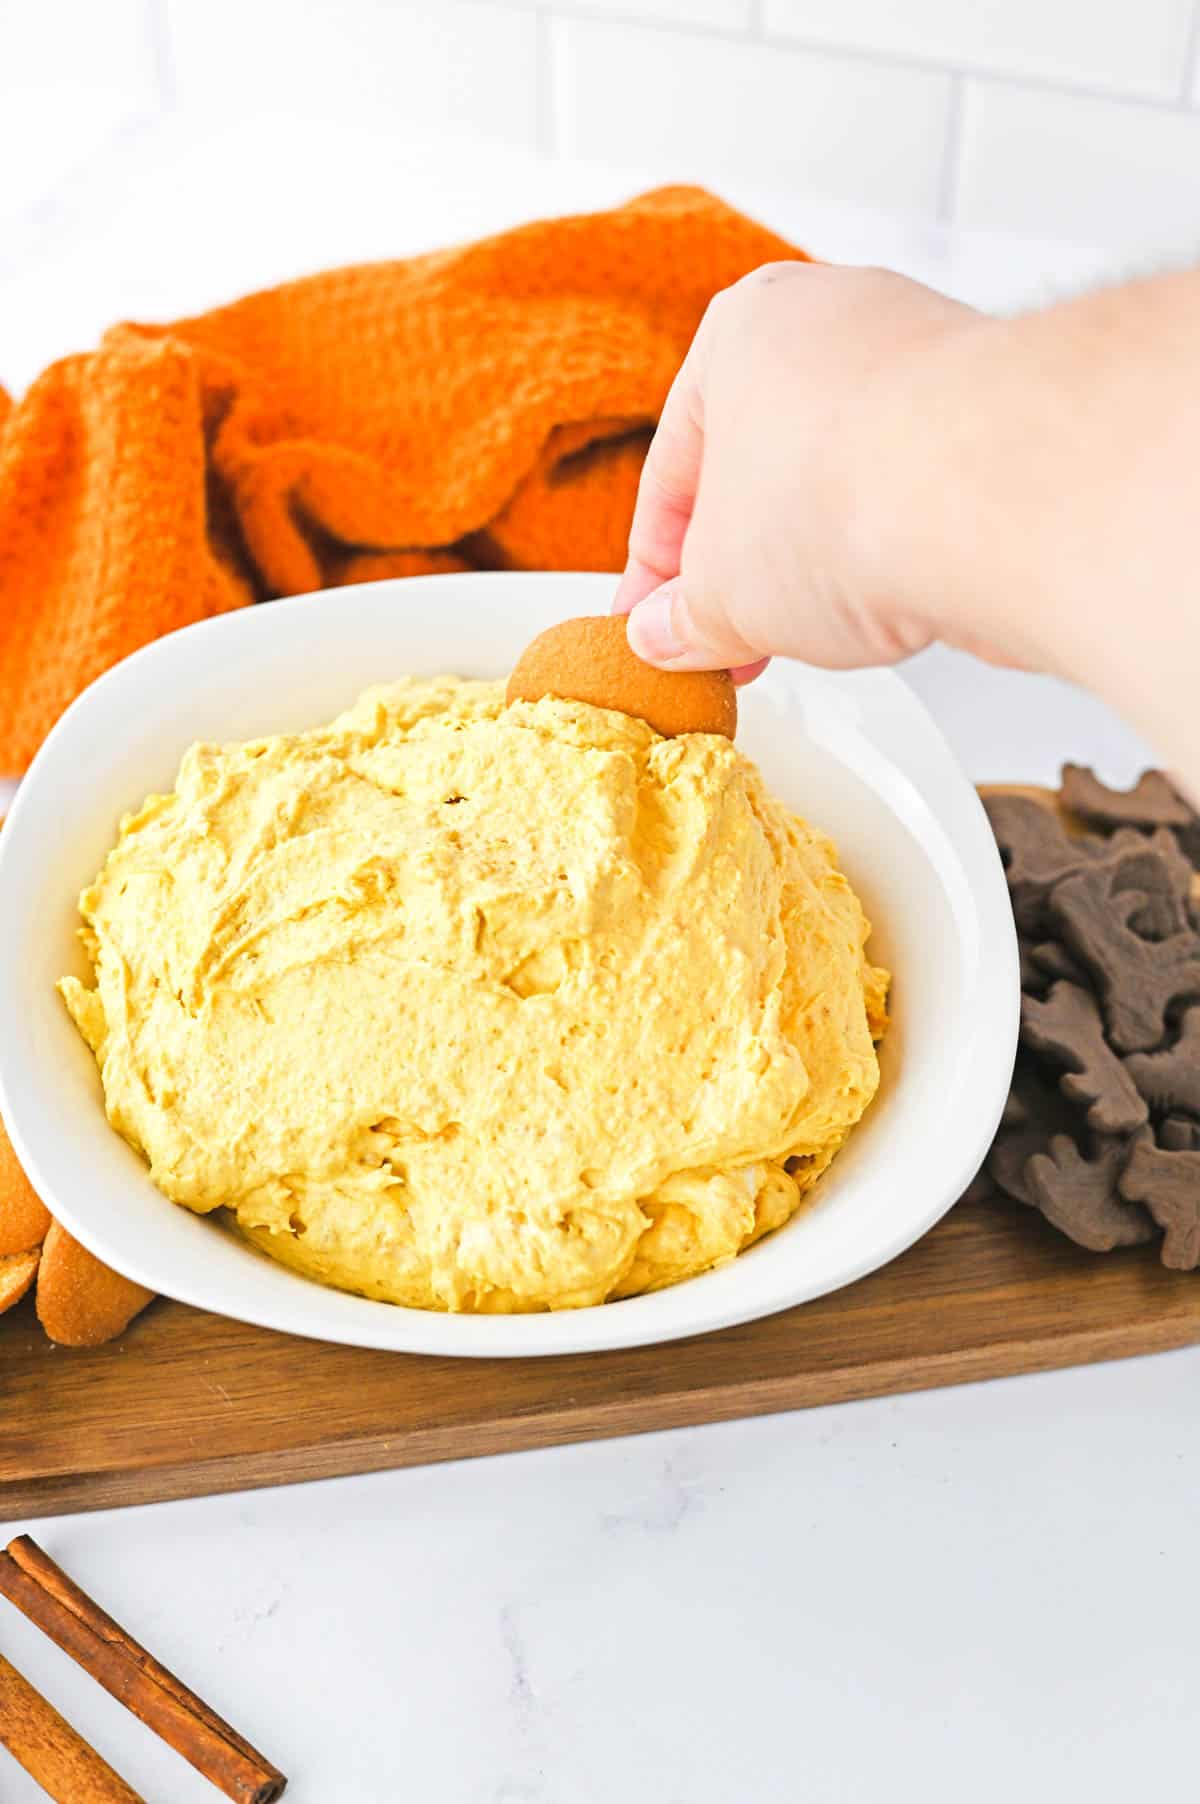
column 482, row 407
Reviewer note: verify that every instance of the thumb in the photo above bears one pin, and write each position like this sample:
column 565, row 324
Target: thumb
column 676, row 629
column 666, row 490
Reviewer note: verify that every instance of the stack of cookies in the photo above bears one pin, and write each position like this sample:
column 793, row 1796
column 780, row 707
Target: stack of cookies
column 1102, row 1128
column 80, row 1302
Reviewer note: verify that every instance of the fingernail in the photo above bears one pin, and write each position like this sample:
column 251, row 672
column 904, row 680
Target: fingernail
column 651, row 628
column 746, row 673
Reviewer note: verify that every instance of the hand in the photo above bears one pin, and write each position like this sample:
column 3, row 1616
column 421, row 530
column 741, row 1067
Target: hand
column 762, row 522
column 849, row 465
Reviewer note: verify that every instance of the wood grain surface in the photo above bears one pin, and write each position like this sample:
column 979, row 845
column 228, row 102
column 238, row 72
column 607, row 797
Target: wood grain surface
column 186, row 1403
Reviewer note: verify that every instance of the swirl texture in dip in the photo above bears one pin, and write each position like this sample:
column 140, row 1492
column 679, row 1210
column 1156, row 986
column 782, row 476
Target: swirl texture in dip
column 475, row 1008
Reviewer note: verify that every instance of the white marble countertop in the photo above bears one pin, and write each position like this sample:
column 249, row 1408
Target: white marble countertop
column 978, row 1593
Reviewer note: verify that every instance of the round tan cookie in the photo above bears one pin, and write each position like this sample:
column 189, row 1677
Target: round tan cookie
column 590, row 660
column 24, row 1218
column 80, row 1302
column 17, row 1272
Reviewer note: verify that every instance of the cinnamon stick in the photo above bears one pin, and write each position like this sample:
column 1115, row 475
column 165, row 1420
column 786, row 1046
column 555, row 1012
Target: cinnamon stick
column 39, row 1588
column 51, row 1751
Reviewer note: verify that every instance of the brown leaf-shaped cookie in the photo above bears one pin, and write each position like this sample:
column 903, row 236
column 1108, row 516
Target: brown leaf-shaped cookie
column 1168, row 1183
column 81, row 1302
column 1188, row 840
column 1080, row 1196
column 981, row 1189
column 1037, row 851
column 1036, row 1110
column 1179, row 848
column 1170, row 1079
column 1154, row 864
column 1066, row 1029
column 1109, row 935
column 1138, row 979
column 1052, row 959
column 1155, row 918
column 1034, row 981
column 1152, row 802
column 1179, row 1134
column 24, row 1218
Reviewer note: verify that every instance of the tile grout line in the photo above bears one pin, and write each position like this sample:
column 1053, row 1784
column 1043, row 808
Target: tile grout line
column 568, row 12
column 903, row 60
column 1191, row 59
column 952, row 149
column 756, row 33
column 158, row 36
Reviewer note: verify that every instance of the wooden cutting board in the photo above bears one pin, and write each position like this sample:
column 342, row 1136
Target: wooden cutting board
column 186, row 1403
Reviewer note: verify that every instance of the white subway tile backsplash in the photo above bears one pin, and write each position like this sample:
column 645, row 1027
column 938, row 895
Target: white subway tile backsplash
column 454, row 67
column 1137, row 49
column 727, row 15
column 71, row 77
column 43, row 42
column 1068, row 118
column 694, row 106
column 1091, row 170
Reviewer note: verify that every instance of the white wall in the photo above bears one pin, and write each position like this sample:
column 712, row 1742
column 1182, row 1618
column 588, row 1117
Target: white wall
column 1076, row 119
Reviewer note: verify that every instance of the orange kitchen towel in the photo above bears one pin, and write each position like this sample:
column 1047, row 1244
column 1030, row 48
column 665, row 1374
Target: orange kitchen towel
column 482, row 407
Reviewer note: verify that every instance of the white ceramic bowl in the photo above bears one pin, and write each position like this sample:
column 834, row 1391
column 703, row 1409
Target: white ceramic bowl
column 856, row 753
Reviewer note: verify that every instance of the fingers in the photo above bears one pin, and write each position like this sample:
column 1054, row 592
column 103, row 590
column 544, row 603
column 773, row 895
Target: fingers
column 746, row 673
column 670, row 624
column 637, row 581
column 780, row 506
column 675, row 631
column 667, row 490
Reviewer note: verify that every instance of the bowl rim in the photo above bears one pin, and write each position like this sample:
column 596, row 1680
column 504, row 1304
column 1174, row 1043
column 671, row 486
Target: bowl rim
column 915, row 747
